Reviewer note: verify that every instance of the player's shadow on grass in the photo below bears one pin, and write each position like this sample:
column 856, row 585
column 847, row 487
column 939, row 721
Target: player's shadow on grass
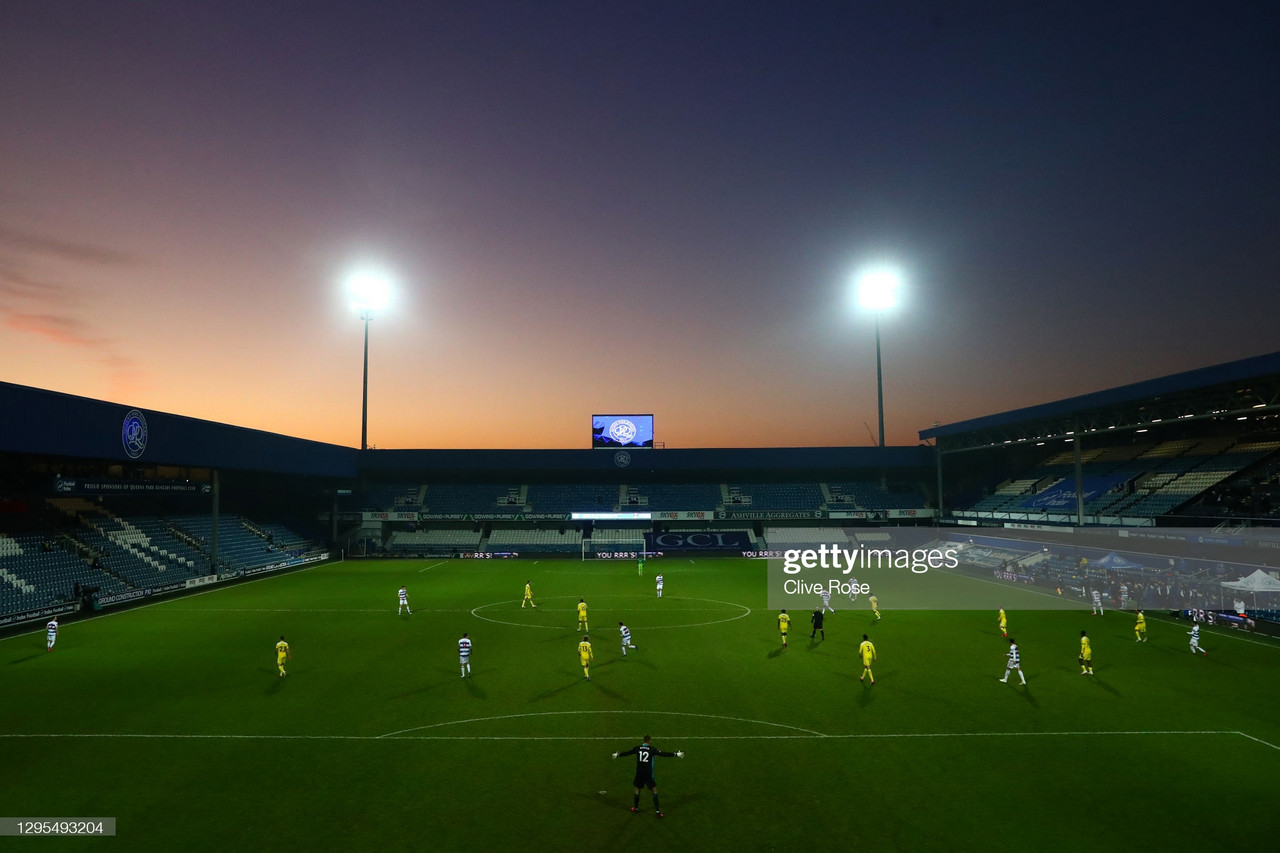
column 424, row 688
column 475, row 690
column 633, row 660
column 681, row 800
column 1025, row 691
column 612, row 694
column 568, row 685
column 558, row 638
column 23, row 660
column 777, row 652
column 1105, row 686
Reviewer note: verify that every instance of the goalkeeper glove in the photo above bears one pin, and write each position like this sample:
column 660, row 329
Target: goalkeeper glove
column 679, row 753
column 615, row 755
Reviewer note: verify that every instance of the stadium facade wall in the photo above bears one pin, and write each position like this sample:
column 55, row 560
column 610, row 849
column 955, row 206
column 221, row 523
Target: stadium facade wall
column 52, row 424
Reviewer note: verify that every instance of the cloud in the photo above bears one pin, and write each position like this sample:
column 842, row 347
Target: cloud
column 64, row 330
column 33, row 304
column 20, row 241
column 16, row 284
column 126, row 374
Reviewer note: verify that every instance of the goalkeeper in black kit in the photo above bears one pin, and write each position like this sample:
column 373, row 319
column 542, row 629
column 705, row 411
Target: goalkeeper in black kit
column 645, row 754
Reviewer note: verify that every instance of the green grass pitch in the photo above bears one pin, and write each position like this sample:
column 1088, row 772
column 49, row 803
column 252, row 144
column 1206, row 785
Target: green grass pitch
column 172, row 719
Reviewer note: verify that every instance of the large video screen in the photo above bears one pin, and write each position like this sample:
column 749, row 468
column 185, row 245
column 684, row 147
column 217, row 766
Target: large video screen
column 612, row 432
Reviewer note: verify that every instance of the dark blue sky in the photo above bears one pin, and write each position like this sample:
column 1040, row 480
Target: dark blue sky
column 631, row 207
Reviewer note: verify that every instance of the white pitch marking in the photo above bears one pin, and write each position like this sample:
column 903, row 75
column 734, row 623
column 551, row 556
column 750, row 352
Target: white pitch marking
column 809, row 732
column 815, row 736
column 1216, row 631
column 432, row 566
column 1259, row 740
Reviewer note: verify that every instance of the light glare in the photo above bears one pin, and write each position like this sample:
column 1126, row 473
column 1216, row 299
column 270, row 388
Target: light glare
column 369, row 289
column 878, row 289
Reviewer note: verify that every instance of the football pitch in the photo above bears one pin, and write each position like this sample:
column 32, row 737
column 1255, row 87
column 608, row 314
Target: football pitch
column 171, row 718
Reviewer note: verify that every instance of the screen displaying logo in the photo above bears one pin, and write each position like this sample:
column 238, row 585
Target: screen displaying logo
column 133, row 434
column 622, row 431
column 614, row 431
column 622, row 459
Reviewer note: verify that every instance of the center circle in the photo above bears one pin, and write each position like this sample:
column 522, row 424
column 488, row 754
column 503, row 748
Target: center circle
column 746, row 611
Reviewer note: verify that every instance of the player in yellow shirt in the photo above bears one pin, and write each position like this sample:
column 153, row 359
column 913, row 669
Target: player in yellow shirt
column 868, row 652
column 784, row 625
column 1086, row 655
column 528, row 595
column 585, row 655
column 582, row 615
column 282, row 655
column 1140, row 628
column 875, row 606
column 1004, row 624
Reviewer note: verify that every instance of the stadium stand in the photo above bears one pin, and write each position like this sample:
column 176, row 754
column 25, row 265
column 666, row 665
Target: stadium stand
column 675, row 497
column 464, row 498
column 773, row 496
column 403, row 542
column 391, row 497
column 560, row 498
column 553, row 541
column 872, row 496
column 779, row 537
column 1135, row 480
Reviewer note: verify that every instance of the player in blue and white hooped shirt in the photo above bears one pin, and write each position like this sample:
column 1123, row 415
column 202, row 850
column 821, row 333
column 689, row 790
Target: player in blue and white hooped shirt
column 853, row 589
column 404, row 602
column 659, row 580
column 1195, row 641
column 1097, row 603
column 1013, row 663
column 626, row 638
column 826, row 600
column 464, row 655
column 51, row 633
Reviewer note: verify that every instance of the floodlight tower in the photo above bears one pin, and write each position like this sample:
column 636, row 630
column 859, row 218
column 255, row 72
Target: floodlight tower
column 878, row 292
column 370, row 291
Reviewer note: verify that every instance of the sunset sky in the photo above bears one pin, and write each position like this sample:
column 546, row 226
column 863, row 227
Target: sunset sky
column 631, row 207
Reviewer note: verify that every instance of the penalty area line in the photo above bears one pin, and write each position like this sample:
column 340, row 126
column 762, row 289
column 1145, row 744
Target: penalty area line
column 802, row 736
column 432, row 566
column 1259, row 740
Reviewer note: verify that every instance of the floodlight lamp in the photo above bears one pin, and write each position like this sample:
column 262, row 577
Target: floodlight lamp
column 369, row 289
column 878, row 289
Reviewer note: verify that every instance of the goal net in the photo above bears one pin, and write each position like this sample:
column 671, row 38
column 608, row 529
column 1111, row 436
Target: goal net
column 614, row 545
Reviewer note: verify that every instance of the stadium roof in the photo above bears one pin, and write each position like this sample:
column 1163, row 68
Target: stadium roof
column 739, row 462
column 1234, row 389
column 52, row 424
column 48, row 423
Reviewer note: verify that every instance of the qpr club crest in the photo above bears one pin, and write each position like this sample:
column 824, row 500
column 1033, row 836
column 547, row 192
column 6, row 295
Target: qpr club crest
column 133, row 434
column 622, row 431
column 622, row 459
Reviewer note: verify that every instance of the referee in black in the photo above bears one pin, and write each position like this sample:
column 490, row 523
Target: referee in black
column 645, row 753
column 816, row 619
